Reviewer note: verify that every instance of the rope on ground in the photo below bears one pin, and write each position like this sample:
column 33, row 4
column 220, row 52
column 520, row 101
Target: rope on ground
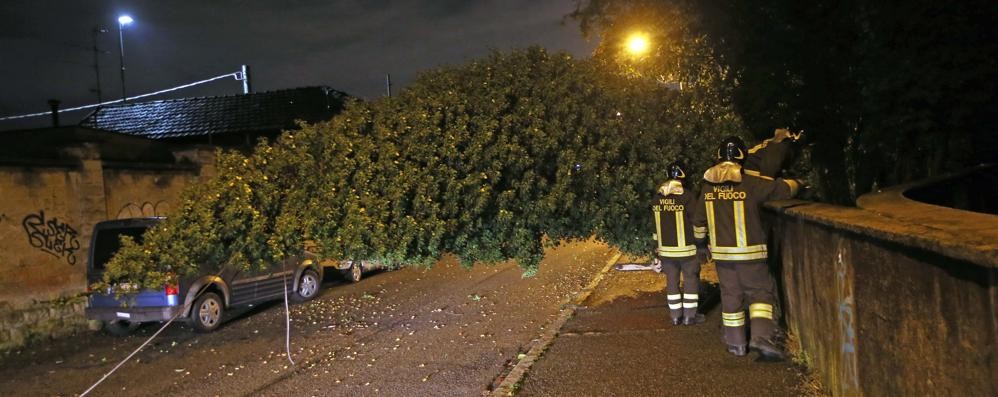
column 287, row 322
column 287, row 339
column 137, row 350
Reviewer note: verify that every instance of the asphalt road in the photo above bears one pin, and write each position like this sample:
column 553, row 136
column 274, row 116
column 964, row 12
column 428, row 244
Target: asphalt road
column 620, row 343
column 443, row 331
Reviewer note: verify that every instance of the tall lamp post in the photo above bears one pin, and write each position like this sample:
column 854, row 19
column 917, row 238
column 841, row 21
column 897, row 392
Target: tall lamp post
column 122, row 21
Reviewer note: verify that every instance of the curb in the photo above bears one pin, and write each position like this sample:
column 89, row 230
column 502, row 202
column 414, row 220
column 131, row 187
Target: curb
column 511, row 382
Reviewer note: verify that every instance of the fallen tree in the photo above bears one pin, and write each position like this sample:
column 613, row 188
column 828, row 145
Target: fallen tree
column 489, row 161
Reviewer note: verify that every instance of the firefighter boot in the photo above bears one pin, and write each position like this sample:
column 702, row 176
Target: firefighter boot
column 675, row 302
column 694, row 319
column 738, row 350
column 690, row 315
column 734, row 332
column 768, row 350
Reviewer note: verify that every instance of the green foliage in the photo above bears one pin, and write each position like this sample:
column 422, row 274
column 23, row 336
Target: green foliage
column 488, row 161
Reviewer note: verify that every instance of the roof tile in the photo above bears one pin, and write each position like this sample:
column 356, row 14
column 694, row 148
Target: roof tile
column 171, row 118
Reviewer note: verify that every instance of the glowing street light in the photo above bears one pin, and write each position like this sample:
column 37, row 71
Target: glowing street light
column 122, row 21
column 637, row 44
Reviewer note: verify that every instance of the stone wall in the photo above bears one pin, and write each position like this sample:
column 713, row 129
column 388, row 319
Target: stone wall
column 39, row 231
column 887, row 301
column 39, row 321
column 127, row 191
column 48, row 209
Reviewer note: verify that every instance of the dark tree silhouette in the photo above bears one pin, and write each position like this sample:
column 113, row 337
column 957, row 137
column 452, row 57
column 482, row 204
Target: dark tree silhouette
column 887, row 91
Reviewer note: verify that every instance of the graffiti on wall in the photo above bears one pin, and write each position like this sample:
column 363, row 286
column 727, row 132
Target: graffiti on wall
column 847, row 316
column 51, row 236
column 144, row 210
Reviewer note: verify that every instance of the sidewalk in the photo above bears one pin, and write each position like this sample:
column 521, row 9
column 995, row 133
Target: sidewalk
column 621, row 343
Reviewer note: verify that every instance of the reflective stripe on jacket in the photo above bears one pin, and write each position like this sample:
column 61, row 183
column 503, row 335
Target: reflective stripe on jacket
column 767, row 159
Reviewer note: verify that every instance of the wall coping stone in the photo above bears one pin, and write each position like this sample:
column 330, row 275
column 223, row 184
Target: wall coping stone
column 974, row 243
column 975, row 231
column 130, row 165
column 39, row 163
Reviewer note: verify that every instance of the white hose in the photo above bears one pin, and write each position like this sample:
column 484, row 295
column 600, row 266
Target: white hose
column 187, row 305
column 287, row 322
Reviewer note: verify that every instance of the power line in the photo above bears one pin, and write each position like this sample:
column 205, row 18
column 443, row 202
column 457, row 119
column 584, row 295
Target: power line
column 236, row 75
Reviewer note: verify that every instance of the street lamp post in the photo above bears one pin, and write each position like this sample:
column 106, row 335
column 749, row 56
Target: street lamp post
column 122, row 21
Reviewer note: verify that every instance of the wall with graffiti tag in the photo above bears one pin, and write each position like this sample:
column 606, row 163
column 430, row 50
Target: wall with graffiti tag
column 127, row 191
column 47, row 214
column 41, row 233
column 890, row 304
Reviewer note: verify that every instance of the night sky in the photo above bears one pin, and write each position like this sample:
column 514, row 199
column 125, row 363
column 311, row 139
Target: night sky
column 47, row 46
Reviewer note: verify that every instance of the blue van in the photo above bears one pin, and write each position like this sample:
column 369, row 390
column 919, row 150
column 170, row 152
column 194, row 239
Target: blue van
column 200, row 299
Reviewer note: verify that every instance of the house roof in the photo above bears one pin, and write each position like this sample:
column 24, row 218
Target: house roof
column 185, row 117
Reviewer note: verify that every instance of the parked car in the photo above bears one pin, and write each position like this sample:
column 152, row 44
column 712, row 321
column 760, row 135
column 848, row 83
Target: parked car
column 352, row 270
column 200, row 299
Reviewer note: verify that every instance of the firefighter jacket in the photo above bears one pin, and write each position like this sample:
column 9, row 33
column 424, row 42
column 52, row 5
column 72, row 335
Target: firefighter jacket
column 769, row 157
column 672, row 211
column 728, row 210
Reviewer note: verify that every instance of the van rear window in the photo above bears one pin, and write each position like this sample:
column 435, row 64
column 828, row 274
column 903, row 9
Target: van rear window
column 107, row 243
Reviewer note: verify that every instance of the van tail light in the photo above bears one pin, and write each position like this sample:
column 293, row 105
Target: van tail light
column 172, row 290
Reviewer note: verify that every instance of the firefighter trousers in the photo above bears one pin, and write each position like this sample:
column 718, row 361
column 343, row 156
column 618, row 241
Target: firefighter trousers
column 683, row 300
column 746, row 285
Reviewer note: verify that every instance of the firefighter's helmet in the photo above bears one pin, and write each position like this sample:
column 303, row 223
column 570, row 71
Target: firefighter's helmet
column 676, row 170
column 732, row 149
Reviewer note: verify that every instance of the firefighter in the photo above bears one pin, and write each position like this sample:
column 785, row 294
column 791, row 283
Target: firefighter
column 768, row 158
column 728, row 212
column 675, row 251
column 767, row 161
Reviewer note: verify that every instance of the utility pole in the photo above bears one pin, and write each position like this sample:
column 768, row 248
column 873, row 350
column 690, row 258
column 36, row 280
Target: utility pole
column 54, row 106
column 245, row 77
column 97, row 31
column 388, row 83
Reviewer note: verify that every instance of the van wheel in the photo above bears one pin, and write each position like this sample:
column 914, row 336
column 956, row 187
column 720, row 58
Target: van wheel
column 308, row 285
column 355, row 272
column 120, row 327
column 206, row 315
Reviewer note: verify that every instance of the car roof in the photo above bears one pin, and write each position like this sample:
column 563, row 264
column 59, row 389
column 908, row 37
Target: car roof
column 128, row 222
